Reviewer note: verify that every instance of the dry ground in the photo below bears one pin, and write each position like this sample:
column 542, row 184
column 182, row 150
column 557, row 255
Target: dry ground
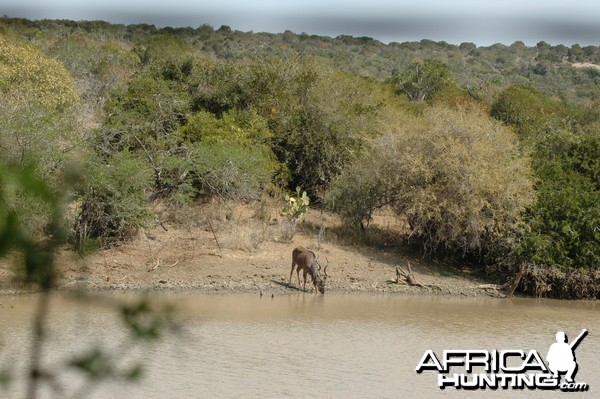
column 227, row 249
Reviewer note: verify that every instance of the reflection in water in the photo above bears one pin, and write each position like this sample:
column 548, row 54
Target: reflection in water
column 304, row 345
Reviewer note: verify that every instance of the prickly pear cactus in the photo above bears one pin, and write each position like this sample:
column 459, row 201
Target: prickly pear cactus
column 295, row 209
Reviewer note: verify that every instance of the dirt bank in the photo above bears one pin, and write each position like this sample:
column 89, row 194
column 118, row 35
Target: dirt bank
column 229, row 258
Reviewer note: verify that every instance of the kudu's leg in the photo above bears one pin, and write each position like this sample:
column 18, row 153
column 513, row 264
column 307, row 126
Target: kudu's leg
column 304, row 275
column 292, row 272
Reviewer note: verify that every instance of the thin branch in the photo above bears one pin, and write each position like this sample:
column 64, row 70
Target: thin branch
column 35, row 368
column 214, row 234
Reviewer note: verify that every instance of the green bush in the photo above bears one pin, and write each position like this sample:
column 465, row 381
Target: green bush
column 527, row 110
column 147, row 110
column 243, row 127
column 228, row 156
column 564, row 222
column 367, row 185
column 563, row 139
column 113, row 199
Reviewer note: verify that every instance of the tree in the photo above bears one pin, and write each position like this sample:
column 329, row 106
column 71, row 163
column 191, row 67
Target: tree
column 319, row 117
column 565, row 149
column 36, row 93
column 423, row 80
column 112, row 199
column 526, row 109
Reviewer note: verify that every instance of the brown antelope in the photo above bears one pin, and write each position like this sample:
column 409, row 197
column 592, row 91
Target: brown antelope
column 306, row 260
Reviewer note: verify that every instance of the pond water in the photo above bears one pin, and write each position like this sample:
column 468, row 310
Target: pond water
column 331, row 346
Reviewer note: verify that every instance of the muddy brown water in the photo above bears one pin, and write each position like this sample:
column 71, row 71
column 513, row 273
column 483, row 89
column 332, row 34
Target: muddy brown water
column 331, row 346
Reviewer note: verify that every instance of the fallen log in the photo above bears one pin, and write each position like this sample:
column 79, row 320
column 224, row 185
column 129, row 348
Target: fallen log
column 510, row 286
column 409, row 278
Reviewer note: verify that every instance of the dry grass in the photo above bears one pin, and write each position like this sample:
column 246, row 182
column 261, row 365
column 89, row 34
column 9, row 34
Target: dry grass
column 245, row 237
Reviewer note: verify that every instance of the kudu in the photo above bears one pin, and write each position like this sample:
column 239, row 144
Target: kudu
column 307, row 261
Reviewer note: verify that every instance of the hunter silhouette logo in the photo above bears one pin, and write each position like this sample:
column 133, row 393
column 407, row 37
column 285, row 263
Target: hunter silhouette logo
column 508, row 369
column 561, row 356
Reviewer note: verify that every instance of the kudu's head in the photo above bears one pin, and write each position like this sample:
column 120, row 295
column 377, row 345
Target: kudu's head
column 319, row 280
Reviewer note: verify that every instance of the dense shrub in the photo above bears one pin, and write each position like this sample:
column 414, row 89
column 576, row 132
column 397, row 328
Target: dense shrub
column 561, row 283
column 526, row 110
column 565, row 147
column 113, row 199
column 191, row 154
column 459, row 182
column 26, row 74
column 231, row 156
column 231, row 170
column 564, row 222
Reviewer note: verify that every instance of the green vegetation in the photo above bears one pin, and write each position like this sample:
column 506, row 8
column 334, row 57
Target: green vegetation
column 422, row 80
column 565, row 145
column 486, row 154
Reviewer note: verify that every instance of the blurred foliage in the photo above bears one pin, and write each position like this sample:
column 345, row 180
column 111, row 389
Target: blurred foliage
column 34, row 255
column 17, row 183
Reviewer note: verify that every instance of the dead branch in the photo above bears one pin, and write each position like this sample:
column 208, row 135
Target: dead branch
column 408, row 278
column 510, row 286
column 174, row 264
column 489, row 287
column 510, row 290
